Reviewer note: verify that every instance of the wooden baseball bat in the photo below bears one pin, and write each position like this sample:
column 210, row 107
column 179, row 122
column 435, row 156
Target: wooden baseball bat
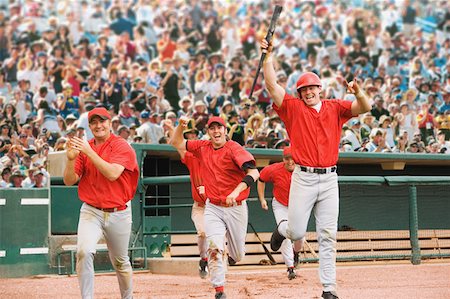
column 269, row 255
column 273, row 23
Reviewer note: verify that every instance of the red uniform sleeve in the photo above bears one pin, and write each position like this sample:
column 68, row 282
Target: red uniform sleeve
column 79, row 164
column 194, row 146
column 123, row 154
column 240, row 155
column 283, row 109
column 345, row 110
column 266, row 175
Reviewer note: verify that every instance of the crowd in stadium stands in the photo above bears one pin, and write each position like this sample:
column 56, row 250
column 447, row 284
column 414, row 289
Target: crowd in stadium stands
column 150, row 62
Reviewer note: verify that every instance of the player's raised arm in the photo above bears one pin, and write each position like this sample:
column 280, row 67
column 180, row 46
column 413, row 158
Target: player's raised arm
column 275, row 90
column 362, row 104
column 177, row 140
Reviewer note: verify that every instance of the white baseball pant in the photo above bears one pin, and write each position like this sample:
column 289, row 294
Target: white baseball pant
column 220, row 223
column 281, row 213
column 198, row 217
column 116, row 228
column 321, row 192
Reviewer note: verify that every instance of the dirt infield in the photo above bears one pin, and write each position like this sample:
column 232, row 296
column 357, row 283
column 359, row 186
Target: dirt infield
column 429, row 280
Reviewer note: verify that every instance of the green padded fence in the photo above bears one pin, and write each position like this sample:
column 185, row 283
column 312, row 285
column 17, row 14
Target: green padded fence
column 25, row 227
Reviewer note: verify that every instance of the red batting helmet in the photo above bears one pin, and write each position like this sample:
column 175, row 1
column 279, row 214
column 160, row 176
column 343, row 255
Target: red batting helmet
column 308, row 79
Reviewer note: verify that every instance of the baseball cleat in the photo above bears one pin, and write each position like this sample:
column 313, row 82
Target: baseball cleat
column 203, row 268
column 291, row 273
column 220, row 295
column 296, row 259
column 329, row 295
column 231, row 262
column 276, row 240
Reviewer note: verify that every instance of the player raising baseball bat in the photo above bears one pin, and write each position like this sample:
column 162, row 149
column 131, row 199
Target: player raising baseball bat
column 314, row 126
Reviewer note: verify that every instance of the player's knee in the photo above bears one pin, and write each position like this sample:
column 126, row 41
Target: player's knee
column 121, row 263
column 214, row 253
column 327, row 235
column 83, row 253
column 295, row 236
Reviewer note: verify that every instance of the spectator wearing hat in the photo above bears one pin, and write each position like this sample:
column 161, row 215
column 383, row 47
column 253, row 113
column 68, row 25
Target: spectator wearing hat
column 200, row 115
column 170, row 115
column 367, row 123
column 115, row 124
column 401, row 144
column 203, row 84
column 124, row 132
column 352, row 133
column 185, row 105
column 39, row 179
column 150, row 132
column 377, row 141
column 227, row 107
column 16, row 179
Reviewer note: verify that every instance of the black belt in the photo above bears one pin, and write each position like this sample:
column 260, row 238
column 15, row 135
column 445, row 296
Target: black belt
column 318, row 170
column 111, row 210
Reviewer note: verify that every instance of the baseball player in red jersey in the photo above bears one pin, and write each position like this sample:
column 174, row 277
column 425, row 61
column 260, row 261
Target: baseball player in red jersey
column 199, row 196
column 107, row 171
column 228, row 170
column 280, row 175
column 314, row 127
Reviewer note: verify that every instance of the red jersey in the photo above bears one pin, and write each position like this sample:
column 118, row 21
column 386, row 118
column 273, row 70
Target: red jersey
column 193, row 164
column 94, row 188
column 221, row 168
column 281, row 179
column 315, row 136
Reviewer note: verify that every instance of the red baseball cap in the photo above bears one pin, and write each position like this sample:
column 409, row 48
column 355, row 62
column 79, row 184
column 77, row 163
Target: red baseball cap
column 99, row 111
column 287, row 152
column 216, row 119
